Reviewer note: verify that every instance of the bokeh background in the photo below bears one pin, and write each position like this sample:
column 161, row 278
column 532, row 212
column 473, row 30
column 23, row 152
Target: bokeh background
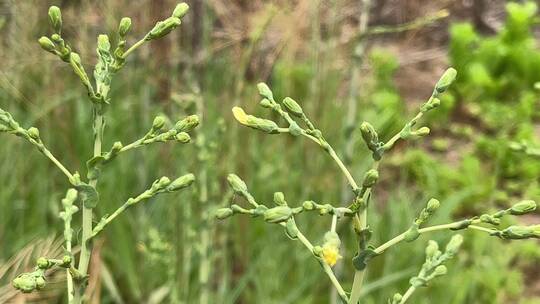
column 342, row 72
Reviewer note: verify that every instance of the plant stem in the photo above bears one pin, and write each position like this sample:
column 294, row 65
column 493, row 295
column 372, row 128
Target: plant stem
column 407, row 294
column 134, row 47
column 69, row 277
column 325, row 267
column 401, row 237
column 57, row 163
column 87, row 213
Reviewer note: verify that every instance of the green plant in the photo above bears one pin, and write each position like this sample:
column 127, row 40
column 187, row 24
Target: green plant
column 328, row 253
column 84, row 194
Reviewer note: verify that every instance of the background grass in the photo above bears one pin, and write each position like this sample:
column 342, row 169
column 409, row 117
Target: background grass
column 162, row 250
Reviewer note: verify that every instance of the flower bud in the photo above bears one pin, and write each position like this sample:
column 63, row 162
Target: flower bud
column 180, row 10
column 279, row 199
column 47, row 44
column 423, row 131
column 265, row 91
column 181, row 182
column 523, row 207
column 183, row 137
column 371, row 138
column 430, row 104
column 370, row 178
column 43, row 263
column 33, row 133
column 432, row 205
column 277, row 214
column 440, row 270
column 187, row 124
column 260, row 124
column 25, row 282
column 412, row 233
column 103, row 43
column 66, row 261
column 396, row 299
column 308, row 205
column 162, row 28
column 161, row 183
column 294, row 129
column 520, row 232
column 223, row 213
column 158, row 123
column 446, row 80
column 431, row 249
column 40, row 282
column 291, row 230
column 124, row 27
column 55, row 18
column 265, row 103
column 237, row 184
column 293, row 106
column 453, row 245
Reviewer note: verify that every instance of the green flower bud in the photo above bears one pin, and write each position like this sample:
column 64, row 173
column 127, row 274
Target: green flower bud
column 423, row 131
column 279, row 199
column 33, row 133
column 370, row 178
column 432, row 205
column 293, row 106
column 432, row 249
column 40, row 282
column 396, row 299
column 291, row 230
column 25, row 282
column 237, row 184
column 486, row 218
column 180, row 10
column 47, row 44
column 265, row 91
column 223, row 213
column 103, row 44
column 412, row 233
column 124, row 27
column 183, row 137
column 523, row 207
column 158, row 123
column 66, row 261
column 43, row 263
column 277, row 214
column 265, row 103
column 181, row 182
column 446, row 80
column 295, row 129
column 187, row 124
column 55, row 18
column 371, row 138
column 308, row 205
column 431, row 104
column 160, row 184
column 162, row 28
column 453, row 245
column 520, row 232
column 440, row 270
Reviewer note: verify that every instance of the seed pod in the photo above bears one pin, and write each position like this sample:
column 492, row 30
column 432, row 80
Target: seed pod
column 293, row 106
column 162, row 28
column 223, row 213
column 55, row 18
column 183, row 137
column 180, row 10
column 124, row 27
column 446, row 80
column 523, row 207
column 181, row 182
column 237, row 184
column 277, row 214
column 47, row 44
column 370, row 178
column 453, row 245
column 33, row 133
column 279, row 199
column 265, row 91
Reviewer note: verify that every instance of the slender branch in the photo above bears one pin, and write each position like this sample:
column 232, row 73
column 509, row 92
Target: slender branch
column 134, row 47
column 407, row 294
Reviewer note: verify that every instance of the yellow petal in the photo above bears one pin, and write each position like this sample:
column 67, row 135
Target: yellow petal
column 240, row 115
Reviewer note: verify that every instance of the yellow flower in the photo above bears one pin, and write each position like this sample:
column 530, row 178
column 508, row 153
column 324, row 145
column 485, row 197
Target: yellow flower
column 240, row 115
column 330, row 254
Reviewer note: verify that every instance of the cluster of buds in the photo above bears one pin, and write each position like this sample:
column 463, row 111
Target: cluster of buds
column 433, row 266
column 412, row 233
column 31, row 281
column 164, row 27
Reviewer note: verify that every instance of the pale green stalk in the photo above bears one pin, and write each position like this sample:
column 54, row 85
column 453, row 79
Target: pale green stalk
column 407, row 294
column 134, row 47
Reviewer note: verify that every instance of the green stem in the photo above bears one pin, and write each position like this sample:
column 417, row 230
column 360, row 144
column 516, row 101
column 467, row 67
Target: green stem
column 57, row 163
column 407, row 294
column 68, row 236
column 134, row 47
